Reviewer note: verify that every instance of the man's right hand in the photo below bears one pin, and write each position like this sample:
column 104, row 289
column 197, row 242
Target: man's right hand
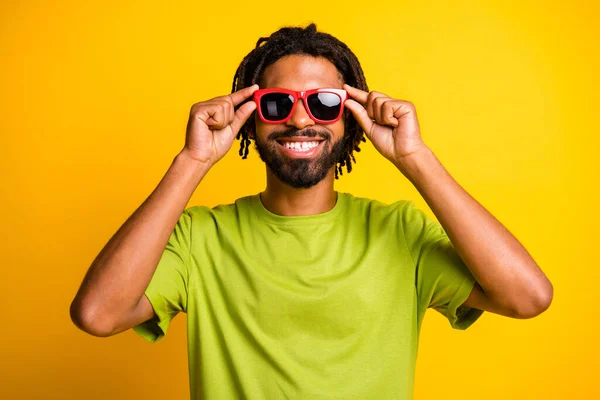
column 213, row 125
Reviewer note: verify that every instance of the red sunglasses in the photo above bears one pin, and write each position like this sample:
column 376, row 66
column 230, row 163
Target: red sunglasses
column 276, row 106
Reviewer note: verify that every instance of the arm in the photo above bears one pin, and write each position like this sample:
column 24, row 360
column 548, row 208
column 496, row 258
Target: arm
column 509, row 282
column 111, row 298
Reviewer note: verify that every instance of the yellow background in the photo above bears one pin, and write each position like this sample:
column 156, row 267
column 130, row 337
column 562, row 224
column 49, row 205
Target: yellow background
column 94, row 101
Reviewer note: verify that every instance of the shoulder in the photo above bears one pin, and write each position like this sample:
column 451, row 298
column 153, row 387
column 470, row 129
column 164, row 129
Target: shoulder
column 219, row 213
column 376, row 208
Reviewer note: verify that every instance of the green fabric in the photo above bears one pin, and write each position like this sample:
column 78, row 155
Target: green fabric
column 327, row 306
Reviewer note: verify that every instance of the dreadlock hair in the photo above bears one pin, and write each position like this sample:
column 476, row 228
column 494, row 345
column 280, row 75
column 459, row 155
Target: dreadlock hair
column 303, row 41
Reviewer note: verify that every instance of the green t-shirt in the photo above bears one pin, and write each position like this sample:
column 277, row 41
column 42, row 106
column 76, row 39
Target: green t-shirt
column 326, row 306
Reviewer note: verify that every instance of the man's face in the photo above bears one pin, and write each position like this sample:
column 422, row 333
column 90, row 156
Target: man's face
column 300, row 72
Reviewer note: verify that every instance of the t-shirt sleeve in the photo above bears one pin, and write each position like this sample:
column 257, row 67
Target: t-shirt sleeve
column 168, row 288
column 443, row 281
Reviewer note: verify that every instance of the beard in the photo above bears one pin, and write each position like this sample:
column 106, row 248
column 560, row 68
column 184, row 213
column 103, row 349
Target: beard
column 300, row 173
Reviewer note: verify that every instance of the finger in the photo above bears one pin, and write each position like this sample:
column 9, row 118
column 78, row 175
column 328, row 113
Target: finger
column 241, row 95
column 388, row 110
column 357, row 94
column 242, row 115
column 373, row 103
column 378, row 109
column 216, row 116
column 361, row 116
column 230, row 112
column 377, row 103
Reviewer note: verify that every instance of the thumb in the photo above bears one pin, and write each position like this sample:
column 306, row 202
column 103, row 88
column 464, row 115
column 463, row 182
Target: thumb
column 241, row 116
column 361, row 116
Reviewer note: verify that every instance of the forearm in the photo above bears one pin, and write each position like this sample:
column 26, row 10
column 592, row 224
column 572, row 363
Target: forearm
column 499, row 263
column 118, row 277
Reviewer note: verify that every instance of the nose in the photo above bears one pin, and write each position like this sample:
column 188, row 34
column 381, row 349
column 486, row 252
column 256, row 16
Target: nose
column 300, row 118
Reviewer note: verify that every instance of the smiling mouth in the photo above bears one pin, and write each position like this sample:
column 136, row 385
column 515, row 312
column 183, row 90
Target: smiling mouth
column 300, row 147
column 303, row 146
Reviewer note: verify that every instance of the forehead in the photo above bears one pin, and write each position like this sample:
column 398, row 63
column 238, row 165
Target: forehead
column 301, row 72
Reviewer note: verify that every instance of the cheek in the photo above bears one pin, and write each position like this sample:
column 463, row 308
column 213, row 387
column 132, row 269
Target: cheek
column 260, row 128
column 263, row 130
column 338, row 128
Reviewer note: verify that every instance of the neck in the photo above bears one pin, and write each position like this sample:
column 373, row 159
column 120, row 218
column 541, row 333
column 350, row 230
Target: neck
column 283, row 199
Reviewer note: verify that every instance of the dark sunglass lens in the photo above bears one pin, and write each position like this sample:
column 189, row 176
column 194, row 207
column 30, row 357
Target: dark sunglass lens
column 324, row 106
column 276, row 106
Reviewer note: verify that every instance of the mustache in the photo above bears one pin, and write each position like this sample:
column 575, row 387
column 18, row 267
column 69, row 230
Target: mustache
column 291, row 132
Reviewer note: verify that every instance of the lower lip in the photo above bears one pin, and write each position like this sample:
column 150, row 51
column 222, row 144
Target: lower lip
column 302, row 154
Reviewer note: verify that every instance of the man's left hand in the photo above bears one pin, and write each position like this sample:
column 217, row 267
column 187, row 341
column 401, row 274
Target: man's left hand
column 390, row 124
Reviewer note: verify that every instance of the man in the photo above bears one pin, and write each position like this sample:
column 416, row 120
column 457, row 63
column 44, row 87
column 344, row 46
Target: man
column 301, row 291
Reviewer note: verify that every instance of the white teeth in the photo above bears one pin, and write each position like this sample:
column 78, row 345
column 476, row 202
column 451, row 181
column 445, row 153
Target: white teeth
column 300, row 146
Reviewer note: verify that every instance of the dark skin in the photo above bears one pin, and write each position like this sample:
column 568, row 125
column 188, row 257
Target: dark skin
column 509, row 282
column 300, row 73
column 111, row 298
